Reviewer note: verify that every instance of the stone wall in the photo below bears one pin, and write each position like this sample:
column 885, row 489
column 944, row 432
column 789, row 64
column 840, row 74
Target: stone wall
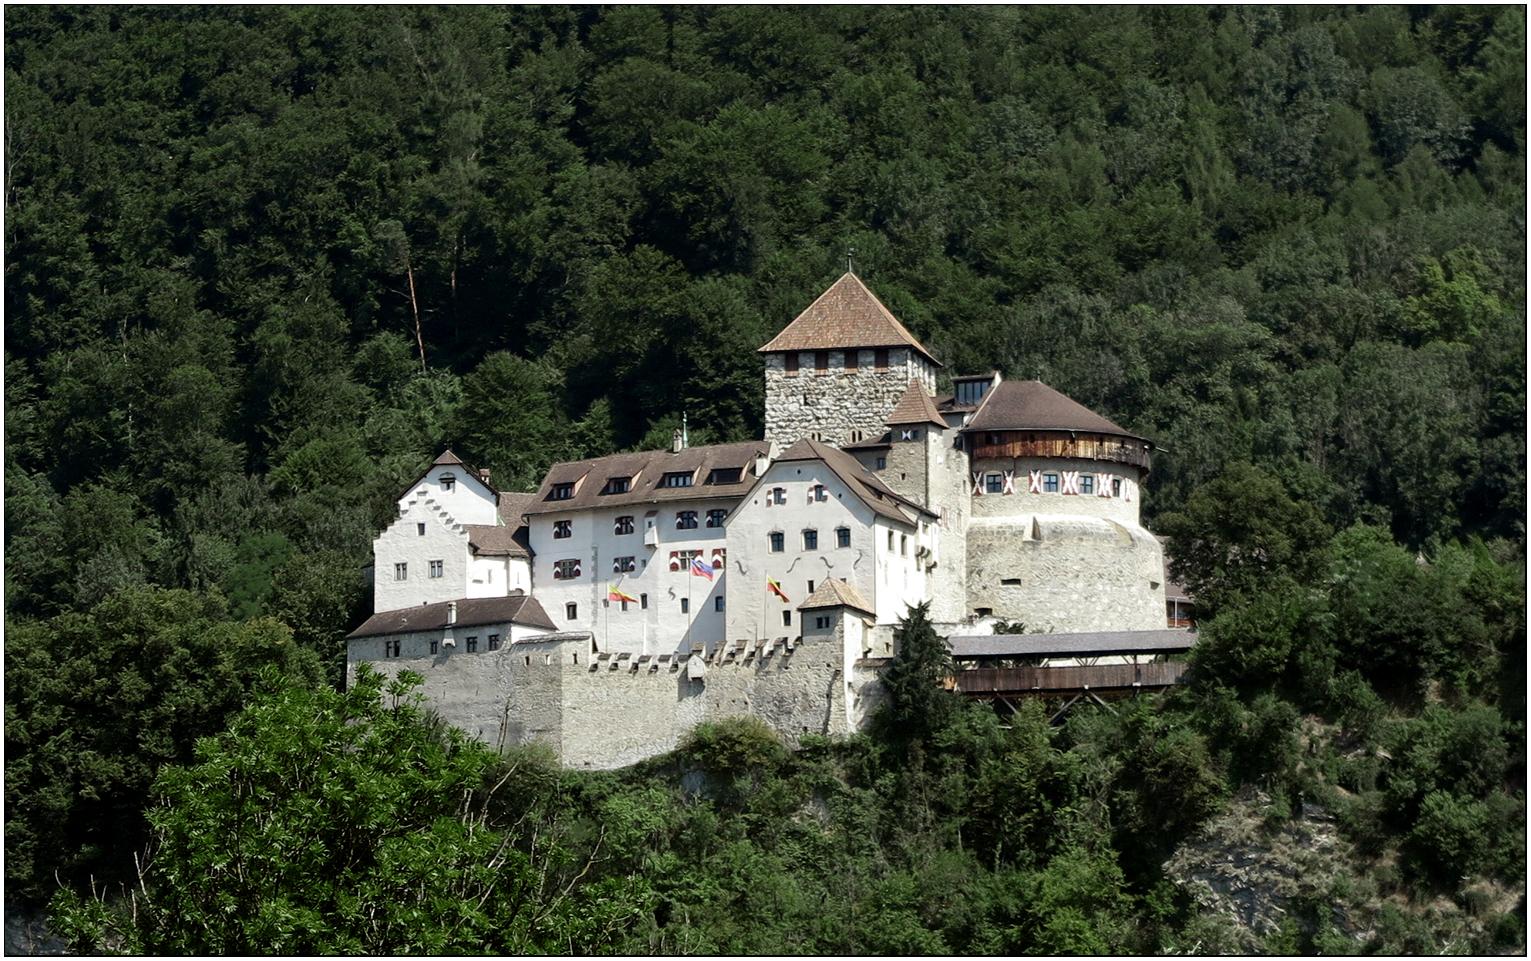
column 611, row 710
column 1066, row 573
column 835, row 405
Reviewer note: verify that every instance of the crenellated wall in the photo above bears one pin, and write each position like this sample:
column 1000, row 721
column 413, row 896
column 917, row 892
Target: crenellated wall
column 611, row 710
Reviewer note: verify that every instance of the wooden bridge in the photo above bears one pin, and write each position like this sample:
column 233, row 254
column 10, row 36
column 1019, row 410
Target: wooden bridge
column 1005, row 667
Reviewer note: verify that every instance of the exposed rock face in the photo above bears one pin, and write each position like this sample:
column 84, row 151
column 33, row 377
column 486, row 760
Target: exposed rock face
column 1237, row 868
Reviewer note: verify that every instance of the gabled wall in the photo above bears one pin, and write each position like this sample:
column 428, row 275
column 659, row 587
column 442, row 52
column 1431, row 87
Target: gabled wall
column 444, row 540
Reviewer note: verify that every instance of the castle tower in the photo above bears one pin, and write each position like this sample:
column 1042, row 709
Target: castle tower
column 1054, row 538
column 837, row 371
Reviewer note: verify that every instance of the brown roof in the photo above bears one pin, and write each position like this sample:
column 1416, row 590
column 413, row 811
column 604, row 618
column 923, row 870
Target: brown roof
column 495, row 540
column 836, row 593
column 863, row 484
column 915, row 407
column 645, row 469
column 512, row 506
column 1032, row 405
column 845, row 315
column 1168, row 640
column 471, row 612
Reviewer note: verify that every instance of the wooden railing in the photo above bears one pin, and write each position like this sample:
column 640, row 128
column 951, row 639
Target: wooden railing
column 1008, row 444
column 988, row 681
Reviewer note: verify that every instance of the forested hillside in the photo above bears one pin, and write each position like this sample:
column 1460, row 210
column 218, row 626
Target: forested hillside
column 262, row 262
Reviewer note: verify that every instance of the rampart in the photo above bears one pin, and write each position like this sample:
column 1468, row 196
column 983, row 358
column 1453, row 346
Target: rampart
column 610, row 710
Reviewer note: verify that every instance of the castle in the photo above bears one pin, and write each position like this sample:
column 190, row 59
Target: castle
column 635, row 595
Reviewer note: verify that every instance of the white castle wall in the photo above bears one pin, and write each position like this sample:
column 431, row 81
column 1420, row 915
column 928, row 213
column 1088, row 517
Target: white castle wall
column 838, row 407
column 612, row 710
column 662, row 627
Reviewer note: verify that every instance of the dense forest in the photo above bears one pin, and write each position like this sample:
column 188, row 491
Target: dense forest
column 263, row 262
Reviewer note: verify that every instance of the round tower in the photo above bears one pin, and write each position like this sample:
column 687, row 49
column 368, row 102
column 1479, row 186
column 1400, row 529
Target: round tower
column 1054, row 538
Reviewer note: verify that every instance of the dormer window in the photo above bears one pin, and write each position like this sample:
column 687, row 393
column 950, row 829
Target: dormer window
column 723, row 475
column 617, row 485
column 676, row 478
column 448, row 482
column 561, row 492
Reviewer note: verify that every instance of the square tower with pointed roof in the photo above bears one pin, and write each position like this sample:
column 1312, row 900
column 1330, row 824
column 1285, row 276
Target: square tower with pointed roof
column 840, row 368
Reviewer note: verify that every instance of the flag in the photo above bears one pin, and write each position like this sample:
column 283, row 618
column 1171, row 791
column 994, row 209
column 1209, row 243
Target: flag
column 701, row 567
column 615, row 594
column 775, row 588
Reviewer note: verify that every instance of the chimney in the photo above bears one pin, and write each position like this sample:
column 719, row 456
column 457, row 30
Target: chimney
column 447, row 640
column 677, row 442
column 483, row 475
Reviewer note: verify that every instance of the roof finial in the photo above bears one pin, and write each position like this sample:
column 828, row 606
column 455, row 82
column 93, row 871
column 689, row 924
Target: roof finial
column 850, row 252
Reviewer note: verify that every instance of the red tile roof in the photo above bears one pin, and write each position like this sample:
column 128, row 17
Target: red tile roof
column 915, row 407
column 844, row 316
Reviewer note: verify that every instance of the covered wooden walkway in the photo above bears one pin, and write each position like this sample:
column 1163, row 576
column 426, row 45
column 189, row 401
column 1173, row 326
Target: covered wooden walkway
column 1005, row 667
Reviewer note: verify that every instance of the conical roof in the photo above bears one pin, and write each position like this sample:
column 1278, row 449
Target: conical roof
column 915, row 407
column 1032, row 405
column 836, row 593
column 847, row 315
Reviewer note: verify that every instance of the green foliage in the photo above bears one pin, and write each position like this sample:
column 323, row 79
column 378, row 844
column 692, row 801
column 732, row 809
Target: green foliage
column 97, row 703
column 920, row 703
column 324, row 823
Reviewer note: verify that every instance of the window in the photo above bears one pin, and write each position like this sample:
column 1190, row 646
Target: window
column 1050, row 483
column 778, row 542
column 903, row 544
column 448, row 482
column 909, row 433
column 436, row 568
column 786, row 618
column 791, row 359
column 571, row 611
column 970, row 392
column 434, row 646
column 494, row 642
column 1116, row 489
column 685, row 605
column 1087, row 484
column 821, row 361
column 810, row 540
column 890, row 542
column 852, row 358
column 810, row 587
column 685, row 520
column 421, row 528
column 880, row 358
column 821, row 622
column 717, row 603
column 562, row 529
column 624, row 607
column 993, row 482
column 617, row 485
column 643, row 602
column 842, row 537
column 401, row 571
column 882, row 463
column 392, row 645
column 624, row 525
column 777, row 495
column 723, row 475
column 624, row 565
column 715, row 517
column 818, row 493
column 566, row 569
column 561, row 492
column 676, row 478
column 472, row 645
